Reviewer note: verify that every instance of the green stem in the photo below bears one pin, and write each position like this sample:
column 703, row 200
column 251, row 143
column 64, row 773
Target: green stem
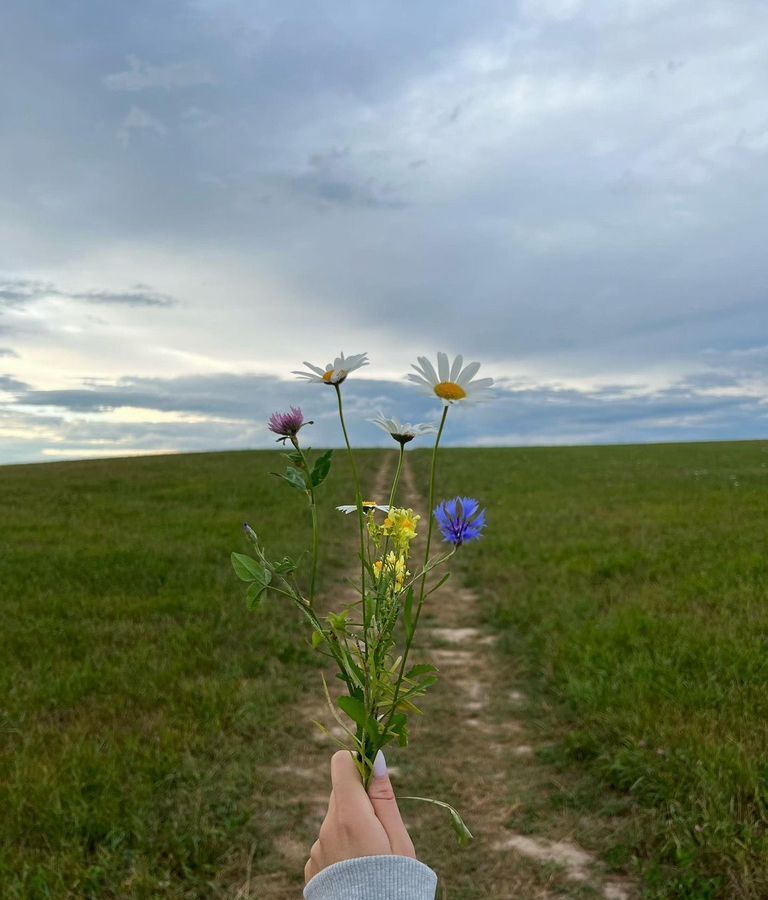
column 358, row 494
column 431, row 503
column 361, row 524
column 392, row 494
column 409, row 639
column 396, row 482
column 315, row 540
column 315, row 526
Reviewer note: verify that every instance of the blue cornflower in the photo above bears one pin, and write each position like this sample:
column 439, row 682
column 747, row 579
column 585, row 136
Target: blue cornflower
column 460, row 520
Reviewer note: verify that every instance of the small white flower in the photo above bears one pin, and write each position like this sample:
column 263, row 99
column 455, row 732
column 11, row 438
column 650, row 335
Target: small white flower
column 451, row 383
column 402, row 432
column 368, row 505
column 335, row 372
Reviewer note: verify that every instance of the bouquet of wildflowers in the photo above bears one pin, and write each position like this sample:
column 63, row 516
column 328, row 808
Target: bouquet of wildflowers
column 370, row 640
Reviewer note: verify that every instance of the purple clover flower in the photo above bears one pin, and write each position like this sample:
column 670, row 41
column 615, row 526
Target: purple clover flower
column 287, row 424
column 460, row 520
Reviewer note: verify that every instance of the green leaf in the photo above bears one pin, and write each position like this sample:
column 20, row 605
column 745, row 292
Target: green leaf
column 285, row 566
column 355, row 709
column 421, row 669
column 294, row 456
column 338, row 621
column 294, row 477
column 321, row 468
column 408, row 612
column 457, row 823
column 399, row 727
column 248, row 569
column 317, row 638
column 420, row 688
column 254, row 594
column 463, row 833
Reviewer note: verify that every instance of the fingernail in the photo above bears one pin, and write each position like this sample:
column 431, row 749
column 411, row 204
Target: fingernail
column 379, row 765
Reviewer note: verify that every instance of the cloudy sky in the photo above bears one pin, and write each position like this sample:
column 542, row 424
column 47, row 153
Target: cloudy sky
column 196, row 196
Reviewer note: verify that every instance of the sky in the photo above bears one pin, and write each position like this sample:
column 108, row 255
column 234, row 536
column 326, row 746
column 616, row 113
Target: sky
column 197, row 196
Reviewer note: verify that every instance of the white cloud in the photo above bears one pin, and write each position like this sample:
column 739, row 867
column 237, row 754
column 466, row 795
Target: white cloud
column 138, row 119
column 141, row 75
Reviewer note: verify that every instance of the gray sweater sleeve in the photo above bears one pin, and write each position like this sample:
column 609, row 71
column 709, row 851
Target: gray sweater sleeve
column 374, row 878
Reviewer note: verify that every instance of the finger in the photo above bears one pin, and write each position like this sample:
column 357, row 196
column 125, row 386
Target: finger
column 350, row 800
column 384, row 804
column 327, row 825
column 331, row 808
column 314, row 863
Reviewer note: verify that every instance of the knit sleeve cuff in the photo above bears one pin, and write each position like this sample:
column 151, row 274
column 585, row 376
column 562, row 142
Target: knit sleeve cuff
column 374, row 878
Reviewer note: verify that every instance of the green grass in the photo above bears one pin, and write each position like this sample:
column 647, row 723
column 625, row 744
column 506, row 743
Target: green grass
column 138, row 694
column 630, row 585
column 139, row 698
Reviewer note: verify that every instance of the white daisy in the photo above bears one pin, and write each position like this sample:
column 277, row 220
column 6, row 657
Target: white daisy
column 368, row 506
column 451, row 383
column 335, row 372
column 400, row 431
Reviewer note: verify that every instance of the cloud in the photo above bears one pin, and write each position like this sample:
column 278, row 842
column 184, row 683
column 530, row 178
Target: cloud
column 333, row 177
column 7, row 351
column 10, row 384
column 138, row 119
column 569, row 190
column 22, row 291
column 141, row 75
column 229, row 411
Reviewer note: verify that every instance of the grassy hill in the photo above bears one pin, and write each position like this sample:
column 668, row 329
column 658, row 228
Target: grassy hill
column 139, row 696
column 630, row 584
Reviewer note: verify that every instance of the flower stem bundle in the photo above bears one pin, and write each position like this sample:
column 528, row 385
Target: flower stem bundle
column 370, row 639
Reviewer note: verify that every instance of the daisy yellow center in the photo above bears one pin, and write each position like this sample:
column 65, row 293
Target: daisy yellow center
column 327, row 376
column 369, row 504
column 449, row 390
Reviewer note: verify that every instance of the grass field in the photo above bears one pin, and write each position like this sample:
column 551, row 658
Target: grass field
column 139, row 697
column 631, row 585
column 138, row 694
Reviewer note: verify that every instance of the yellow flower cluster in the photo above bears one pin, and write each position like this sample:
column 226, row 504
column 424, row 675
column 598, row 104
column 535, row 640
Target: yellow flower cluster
column 399, row 528
column 396, row 532
column 395, row 568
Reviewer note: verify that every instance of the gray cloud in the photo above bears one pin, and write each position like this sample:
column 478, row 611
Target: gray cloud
column 230, row 411
column 141, row 75
column 20, row 291
column 7, row 351
column 570, row 190
column 9, row 383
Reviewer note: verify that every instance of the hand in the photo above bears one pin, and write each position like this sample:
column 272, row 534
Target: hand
column 358, row 824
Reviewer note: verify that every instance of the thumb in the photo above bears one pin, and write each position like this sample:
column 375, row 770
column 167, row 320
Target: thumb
column 385, row 806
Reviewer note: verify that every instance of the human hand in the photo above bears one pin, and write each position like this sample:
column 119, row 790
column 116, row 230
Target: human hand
column 358, row 824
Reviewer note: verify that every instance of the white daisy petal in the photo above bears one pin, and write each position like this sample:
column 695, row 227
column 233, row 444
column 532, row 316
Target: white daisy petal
column 402, row 432
column 336, row 372
column 368, row 505
column 468, row 374
column 480, row 383
column 443, row 369
column 450, row 383
column 429, row 370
